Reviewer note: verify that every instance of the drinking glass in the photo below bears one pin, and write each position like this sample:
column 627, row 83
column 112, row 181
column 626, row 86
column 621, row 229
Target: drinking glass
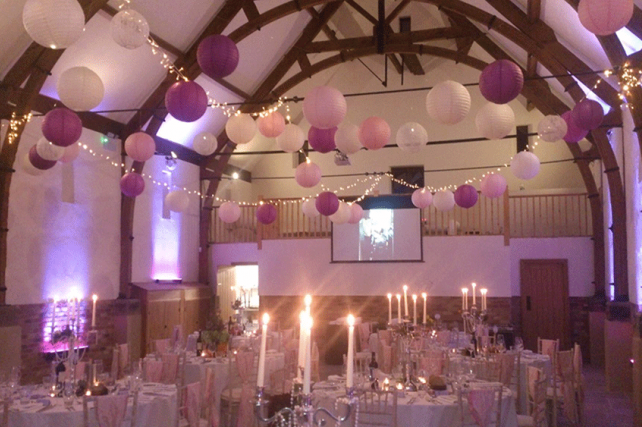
column 519, row 344
column 501, row 343
column 97, row 369
column 69, row 394
column 14, row 376
column 47, row 384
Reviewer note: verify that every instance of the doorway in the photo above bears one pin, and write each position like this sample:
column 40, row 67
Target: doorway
column 544, row 301
column 240, row 284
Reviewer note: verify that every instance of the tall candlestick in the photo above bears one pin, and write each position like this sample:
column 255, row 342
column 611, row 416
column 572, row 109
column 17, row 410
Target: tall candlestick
column 483, row 295
column 94, row 298
column 302, row 338
column 464, row 299
column 389, row 308
column 399, row 308
column 474, row 300
column 307, row 372
column 414, row 309
column 405, row 300
column 424, row 295
column 260, row 378
column 350, row 358
column 308, row 302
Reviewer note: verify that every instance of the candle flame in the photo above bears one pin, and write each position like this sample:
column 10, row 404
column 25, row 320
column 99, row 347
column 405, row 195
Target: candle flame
column 424, row 295
column 94, row 297
column 483, row 291
column 350, row 320
column 399, row 386
column 389, row 296
column 307, row 300
column 398, row 296
column 405, row 287
column 414, row 297
column 464, row 290
column 266, row 318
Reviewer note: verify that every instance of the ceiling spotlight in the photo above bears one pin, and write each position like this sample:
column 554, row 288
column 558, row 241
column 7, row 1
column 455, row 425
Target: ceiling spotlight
column 170, row 162
column 235, row 175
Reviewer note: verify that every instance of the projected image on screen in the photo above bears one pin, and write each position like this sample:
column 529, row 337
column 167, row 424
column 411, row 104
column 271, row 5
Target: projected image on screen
column 376, row 235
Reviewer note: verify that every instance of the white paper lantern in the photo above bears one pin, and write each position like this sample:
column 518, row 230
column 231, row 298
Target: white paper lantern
column 229, row 212
column 342, row 215
column 49, row 151
column 309, row 208
column 80, row 89
column 356, row 213
column 291, row 139
column 421, row 198
column 493, row 185
column 129, row 29
column 29, row 168
column 525, row 165
column 204, row 143
column 443, row 200
column 552, row 128
column 495, row 121
column 177, row 201
column 411, row 137
column 71, row 153
column 347, row 138
column 55, row 24
column 448, row 102
column 604, row 17
column 240, row 128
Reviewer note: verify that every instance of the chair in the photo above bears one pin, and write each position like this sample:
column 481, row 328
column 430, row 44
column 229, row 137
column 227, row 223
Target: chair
column 153, row 370
column 537, row 382
column 177, row 336
column 314, row 363
column 386, row 358
column 364, row 330
column 211, row 409
column 377, row 408
column 562, row 391
column 236, row 408
column 4, row 422
column 431, row 365
column 190, row 345
column 509, row 373
column 548, row 347
column 579, row 381
column 173, row 370
column 189, row 402
column 161, row 346
column 110, row 409
column 481, row 406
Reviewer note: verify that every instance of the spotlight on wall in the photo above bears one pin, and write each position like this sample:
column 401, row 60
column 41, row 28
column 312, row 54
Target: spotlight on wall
column 168, row 281
column 170, row 161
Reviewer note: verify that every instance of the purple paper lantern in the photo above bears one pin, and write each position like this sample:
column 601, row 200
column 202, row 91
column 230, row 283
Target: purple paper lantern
column 466, row 196
column 266, row 214
column 186, row 101
column 307, row 174
column 217, row 56
column 501, row 81
column 588, row 114
column 132, row 184
column 574, row 133
column 327, row 203
column 493, row 185
column 38, row 162
column 322, row 140
column 61, row 127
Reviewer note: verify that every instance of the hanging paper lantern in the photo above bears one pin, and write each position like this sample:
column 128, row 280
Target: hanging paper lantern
column 129, row 29
column 573, row 133
column 186, row 101
column 132, row 184
column 411, row 137
column 374, row 133
column 70, row 154
column 493, row 185
column 272, row 125
column 55, row 24
column 229, row 212
column 29, row 168
column 240, row 128
column 604, row 17
column 588, row 114
column 501, row 81
column 347, row 138
column 327, row 203
column 322, row 140
column 204, row 143
column 324, row 107
column 49, row 151
column 466, row 196
column 140, row 146
column 217, row 55
column 421, row 198
column 266, row 214
column 307, row 174
column 495, row 121
column 309, row 209
column 448, row 102
column 552, row 128
column 61, row 126
column 525, row 165
column 177, row 201
column 38, row 162
column 356, row 213
column 443, row 200
column 342, row 215
column 291, row 139
column 80, row 89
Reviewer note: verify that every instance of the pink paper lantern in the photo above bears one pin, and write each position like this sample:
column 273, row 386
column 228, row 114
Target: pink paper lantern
column 501, row 81
column 271, row 125
column 140, row 146
column 62, row 127
column 356, row 213
column 604, row 17
column 132, row 184
column 324, row 107
column 588, row 114
column 327, row 203
column 38, row 162
column 186, row 101
column 342, row 215
column 307, row 174
column 229, row 212
column 466, row 196
column 218, row 56
column 493, row 185
column 322, row 140
column 374, row 133
column 421, row 198
column 574, row 133
column 266, row 214
column 71, row 153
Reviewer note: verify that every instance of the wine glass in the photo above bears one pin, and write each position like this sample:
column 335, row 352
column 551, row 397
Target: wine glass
column 98, row 368
column 501, row 343
column 69, row 394
column 47, row 384
column 519, row 344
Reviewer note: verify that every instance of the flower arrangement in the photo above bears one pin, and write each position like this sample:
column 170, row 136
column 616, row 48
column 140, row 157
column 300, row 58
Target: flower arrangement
column 216, row 331
column 237, row 304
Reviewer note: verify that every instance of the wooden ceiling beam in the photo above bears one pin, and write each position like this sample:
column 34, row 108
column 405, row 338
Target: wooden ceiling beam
column 250, row 10
column 533, row 10
column 396, row 11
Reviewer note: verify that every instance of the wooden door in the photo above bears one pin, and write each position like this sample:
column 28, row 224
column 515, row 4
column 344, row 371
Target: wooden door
column 226, row 278
column 544, row 301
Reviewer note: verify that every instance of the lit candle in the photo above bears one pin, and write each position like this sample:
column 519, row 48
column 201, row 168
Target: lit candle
column 483, row 295
column 261, row 374
column 389, row 308
column 302, row 338
column 399, row 308
column 474, row 300
column 307, row 372
column 464, row 299
column 350, row 360
column 424, row 295
column 414, row 309
column 94, row 298
column 308, row 302
column 405, row 300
